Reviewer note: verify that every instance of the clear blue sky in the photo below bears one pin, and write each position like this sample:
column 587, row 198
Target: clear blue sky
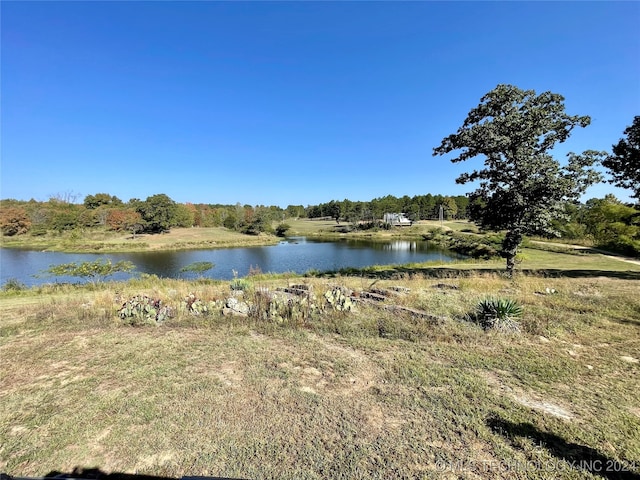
column 280, row 103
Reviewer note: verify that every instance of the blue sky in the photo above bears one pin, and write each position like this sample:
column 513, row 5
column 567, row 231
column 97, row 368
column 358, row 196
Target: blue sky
column 280, row 103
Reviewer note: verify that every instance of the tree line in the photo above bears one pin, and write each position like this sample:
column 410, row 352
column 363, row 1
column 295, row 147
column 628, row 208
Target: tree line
column 159, row 213
column 156, row 214
column 418, row 207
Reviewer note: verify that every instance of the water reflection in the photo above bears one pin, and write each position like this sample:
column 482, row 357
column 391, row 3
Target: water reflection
column 401, row 245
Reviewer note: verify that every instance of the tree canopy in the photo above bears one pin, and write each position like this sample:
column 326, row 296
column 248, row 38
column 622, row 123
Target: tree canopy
column 522, row 188
column 624, row 163
column 158, row 212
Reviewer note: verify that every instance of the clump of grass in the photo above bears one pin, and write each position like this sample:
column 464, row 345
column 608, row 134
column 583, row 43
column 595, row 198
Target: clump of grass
column 240, row 284
column 14, row 285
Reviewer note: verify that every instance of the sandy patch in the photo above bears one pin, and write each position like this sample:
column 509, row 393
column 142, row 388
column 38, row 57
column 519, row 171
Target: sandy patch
column 629, row 359
column 528, row 399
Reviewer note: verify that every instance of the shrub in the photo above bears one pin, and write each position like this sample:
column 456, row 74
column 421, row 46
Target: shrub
column 485, row 247
column 13, row 285
column 281, row 229
column 14, row 221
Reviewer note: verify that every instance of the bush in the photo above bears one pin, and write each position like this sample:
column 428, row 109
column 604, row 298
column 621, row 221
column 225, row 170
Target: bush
column 281, row 229
column 14, row 221
column 13, row 285
column 486, row 246
column 374, row 225
column 622, row 244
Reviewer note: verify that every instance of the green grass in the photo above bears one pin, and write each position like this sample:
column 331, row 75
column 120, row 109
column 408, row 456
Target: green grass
column 305, row 227
column 455, row 225
column 368, row 394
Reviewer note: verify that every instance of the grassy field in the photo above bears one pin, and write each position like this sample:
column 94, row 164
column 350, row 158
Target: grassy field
column 176, row 239
column 328, row 228
column 364, row 394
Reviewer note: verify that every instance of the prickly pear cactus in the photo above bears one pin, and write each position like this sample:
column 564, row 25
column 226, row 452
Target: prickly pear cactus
column 198, row 307
column 339, row 299
column 140, row 310
column 282, row 308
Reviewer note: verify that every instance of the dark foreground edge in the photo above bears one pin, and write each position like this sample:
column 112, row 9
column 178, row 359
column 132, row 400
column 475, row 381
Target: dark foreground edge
column 97, row 474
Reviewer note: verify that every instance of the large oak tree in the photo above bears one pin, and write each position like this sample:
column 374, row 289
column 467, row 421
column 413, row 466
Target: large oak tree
column 521, row 188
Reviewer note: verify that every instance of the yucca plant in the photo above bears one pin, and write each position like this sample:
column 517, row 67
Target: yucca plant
column 498, row 313
column 240, row 284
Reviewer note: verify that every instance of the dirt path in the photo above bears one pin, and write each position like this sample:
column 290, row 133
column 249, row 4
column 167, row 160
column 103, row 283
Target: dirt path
column 604, row 253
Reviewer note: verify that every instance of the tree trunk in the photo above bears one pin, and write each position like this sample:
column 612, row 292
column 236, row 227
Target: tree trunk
column 510, row 245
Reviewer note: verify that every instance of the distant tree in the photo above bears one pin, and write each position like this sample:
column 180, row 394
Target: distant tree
column 66, row 217
column 125, row 219
column 194, row 213
column 89, row 218
column 230, row 221
column 94, row 201
column 522, row 187
column 14, row 221
column 184, row 216
column 613, row 224
column 427, row 206
column 295, row 211
column 624, row 164
column 158, row 212
column 462, row 202
column 260, row 221
column 413, row 212
column 334, row 210
column 450, row 207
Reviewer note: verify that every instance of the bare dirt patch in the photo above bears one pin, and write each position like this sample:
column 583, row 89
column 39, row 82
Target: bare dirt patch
column 528, row 399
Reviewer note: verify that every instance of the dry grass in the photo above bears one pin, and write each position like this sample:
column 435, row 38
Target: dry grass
column 214, row 237
column 328, row 228
column 362, row 395
column 176, row 239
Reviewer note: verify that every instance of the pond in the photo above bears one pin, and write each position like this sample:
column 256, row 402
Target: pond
column 295, row 254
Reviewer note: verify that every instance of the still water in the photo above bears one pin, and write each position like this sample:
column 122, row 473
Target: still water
column 296, row 254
